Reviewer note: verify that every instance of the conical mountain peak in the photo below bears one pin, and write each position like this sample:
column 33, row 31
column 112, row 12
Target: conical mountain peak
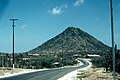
column 71, row 30
column 71, row 40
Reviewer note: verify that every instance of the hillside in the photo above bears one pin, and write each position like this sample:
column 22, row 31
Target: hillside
column 72, row 40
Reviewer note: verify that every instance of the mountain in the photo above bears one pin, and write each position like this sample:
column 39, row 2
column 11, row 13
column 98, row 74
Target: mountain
column 72, row 40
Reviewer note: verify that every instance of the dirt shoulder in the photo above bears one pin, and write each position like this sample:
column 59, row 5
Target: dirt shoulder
column 95, row 74
column 6, row 71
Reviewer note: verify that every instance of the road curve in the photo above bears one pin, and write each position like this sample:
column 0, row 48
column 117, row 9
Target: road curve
column 52, row 74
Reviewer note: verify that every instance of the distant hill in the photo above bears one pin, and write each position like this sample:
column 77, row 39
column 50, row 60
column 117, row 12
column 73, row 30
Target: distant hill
column 72, row 40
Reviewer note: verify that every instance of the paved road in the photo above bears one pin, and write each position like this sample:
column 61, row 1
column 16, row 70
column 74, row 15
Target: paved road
column 52, row 74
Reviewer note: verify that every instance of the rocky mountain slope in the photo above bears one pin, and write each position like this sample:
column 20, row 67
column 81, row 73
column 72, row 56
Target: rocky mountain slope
column 72, row 40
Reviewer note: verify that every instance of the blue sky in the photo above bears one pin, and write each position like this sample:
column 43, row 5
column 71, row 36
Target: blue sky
column 40, row 20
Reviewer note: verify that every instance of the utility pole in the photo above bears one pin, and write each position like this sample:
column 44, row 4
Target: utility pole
column 112, row 34
column 13, row 20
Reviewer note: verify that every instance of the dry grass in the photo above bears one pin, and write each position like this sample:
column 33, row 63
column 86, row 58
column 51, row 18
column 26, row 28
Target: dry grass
column 5, row 71
column 96, row 74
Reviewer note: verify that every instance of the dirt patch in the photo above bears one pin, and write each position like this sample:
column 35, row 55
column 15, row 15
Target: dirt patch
column 96, row 74
column 7, row 71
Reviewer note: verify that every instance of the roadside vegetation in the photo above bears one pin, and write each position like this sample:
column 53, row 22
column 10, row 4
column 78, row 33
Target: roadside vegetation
column 106, row 61
column 37, row 62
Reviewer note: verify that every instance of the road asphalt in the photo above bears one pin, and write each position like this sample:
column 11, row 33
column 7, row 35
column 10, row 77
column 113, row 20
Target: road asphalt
column 52, row 74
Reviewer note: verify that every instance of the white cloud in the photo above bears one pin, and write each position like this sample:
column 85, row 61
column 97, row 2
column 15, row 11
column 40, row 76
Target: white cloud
column 23, row 26
column 57, row 10
column 78, row 2
column 65, row 6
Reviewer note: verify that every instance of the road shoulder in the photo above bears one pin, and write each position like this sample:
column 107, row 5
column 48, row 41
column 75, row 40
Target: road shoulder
column 73, row 75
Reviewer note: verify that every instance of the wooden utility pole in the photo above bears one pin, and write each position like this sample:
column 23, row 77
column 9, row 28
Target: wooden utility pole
column 13, row 19
column 113, row 44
